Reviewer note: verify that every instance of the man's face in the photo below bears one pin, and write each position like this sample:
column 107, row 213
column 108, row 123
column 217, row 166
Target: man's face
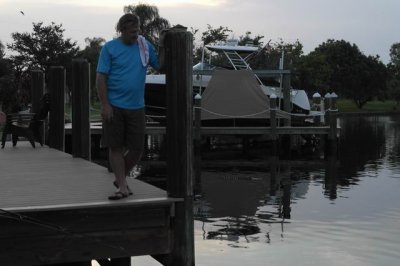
column 130, row 33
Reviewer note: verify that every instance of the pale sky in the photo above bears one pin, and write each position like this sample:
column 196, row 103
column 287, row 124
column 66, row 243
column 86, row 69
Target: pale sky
column 371, row 24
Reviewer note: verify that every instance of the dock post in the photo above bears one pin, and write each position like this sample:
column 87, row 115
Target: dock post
column 332, row 137
column 317, row 107
column 286, row 98
column 327, row 102
column 37, row 89
column 331, row 120
column 286, row 139
column 197, row 141
column 56, row 86
column 81, row 109
column 178, row 45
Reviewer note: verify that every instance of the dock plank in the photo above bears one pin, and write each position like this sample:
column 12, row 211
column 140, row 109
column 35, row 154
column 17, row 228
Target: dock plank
column 96, row 129
column 44, row 178
column 54, row 209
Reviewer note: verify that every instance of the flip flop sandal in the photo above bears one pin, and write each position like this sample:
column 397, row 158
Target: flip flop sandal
column 118, row 195
column 129, row 189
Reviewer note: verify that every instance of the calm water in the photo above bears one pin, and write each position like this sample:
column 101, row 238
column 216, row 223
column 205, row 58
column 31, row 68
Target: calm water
column 346, row 213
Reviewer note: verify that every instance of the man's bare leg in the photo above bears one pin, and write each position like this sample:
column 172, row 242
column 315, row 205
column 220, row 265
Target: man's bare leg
column 118, row 165
column 131, row 159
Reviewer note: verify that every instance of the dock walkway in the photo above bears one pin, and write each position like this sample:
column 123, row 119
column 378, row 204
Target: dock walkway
column 54, row 208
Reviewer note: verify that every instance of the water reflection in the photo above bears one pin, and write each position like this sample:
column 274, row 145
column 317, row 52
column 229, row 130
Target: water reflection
column 345, row 208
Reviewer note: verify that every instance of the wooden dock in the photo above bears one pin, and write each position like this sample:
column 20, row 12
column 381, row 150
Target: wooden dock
column 96, row 129
column 54, row 208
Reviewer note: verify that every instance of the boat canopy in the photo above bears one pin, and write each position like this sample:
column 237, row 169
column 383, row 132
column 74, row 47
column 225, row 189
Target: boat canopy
column 234, row 94
column 236, row 48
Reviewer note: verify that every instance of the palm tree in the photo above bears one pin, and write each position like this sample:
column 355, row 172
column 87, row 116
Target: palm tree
column 150, row 20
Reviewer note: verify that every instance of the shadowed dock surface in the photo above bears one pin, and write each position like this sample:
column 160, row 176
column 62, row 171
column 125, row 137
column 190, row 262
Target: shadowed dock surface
column 55, row 209
column 44, row 178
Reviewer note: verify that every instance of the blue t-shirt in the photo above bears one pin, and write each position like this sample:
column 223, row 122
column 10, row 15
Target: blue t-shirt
column 125, row 73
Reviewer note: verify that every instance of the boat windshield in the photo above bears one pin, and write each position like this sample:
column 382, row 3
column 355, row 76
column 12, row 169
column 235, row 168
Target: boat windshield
column 204, row 66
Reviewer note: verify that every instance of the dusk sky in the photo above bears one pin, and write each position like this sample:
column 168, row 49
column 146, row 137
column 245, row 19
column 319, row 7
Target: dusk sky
column 371, row 24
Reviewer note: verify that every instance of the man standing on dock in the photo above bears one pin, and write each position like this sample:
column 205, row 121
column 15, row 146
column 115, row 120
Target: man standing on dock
column 121, row 74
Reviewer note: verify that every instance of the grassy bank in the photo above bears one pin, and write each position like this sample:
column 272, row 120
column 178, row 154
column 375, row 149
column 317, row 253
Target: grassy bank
column 348, row 106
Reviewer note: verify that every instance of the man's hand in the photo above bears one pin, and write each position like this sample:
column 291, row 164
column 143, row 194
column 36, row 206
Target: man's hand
column 106, row 112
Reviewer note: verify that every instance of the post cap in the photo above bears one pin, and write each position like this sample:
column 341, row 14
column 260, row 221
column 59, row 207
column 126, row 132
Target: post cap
column 197, row 96
column 328, row 95
column 316, row 95
column 333, row 95
column 273, row 96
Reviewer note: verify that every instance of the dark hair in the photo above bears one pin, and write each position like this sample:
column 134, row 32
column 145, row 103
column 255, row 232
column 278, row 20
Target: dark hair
column 127, row 19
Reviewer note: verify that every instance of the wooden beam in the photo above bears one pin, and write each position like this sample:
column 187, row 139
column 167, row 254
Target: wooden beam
column 56, row 85
column 37, row 88
column 81, row 109
column 286, row 98
column 179, row 58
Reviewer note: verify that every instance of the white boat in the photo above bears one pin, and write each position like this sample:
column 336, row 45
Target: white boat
column 238, row 57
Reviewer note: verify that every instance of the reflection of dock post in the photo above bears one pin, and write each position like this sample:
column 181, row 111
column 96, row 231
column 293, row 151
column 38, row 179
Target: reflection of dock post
column 274, row 159
column 287, row 188
column 274, row 177
column 287, row 139
column 273, row 122
column 197, row 141
column 331, row 177
column 56, row 85
column 37, row 88
column 178, row 58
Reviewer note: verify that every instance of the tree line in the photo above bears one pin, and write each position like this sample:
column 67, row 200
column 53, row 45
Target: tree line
column 335, row 65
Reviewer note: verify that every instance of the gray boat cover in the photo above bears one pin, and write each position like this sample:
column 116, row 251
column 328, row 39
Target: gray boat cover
column 234, row 94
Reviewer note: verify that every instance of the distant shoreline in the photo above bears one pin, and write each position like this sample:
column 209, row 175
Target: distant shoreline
column 368, row 113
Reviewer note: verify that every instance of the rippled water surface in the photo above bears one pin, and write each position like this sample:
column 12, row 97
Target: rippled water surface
column 339, row 213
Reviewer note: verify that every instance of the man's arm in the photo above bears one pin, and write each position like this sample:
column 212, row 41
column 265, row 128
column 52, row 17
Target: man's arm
column 106, row 109
column 153, row 60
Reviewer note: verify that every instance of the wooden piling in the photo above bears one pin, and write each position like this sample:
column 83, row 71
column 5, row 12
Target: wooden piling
column 331, row 145
column 56, row 86
column 37, row 91
column 327, row 107
column 286, row 98
column 197, row 142
column 286, row 139
column 81, row 108
column 317, row 107
column 178, row 44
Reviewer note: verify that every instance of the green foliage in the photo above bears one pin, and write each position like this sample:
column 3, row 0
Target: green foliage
column 151, row 24
column 269, row 56
column 212, row 36
column 1, row 50
column 394, row 72
column 247, row 39
column 349, row 106
column 91, row 53
column 313, row 73
column 340, row 67
column 42, row 48
column 7, row 89
column 395, row 54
